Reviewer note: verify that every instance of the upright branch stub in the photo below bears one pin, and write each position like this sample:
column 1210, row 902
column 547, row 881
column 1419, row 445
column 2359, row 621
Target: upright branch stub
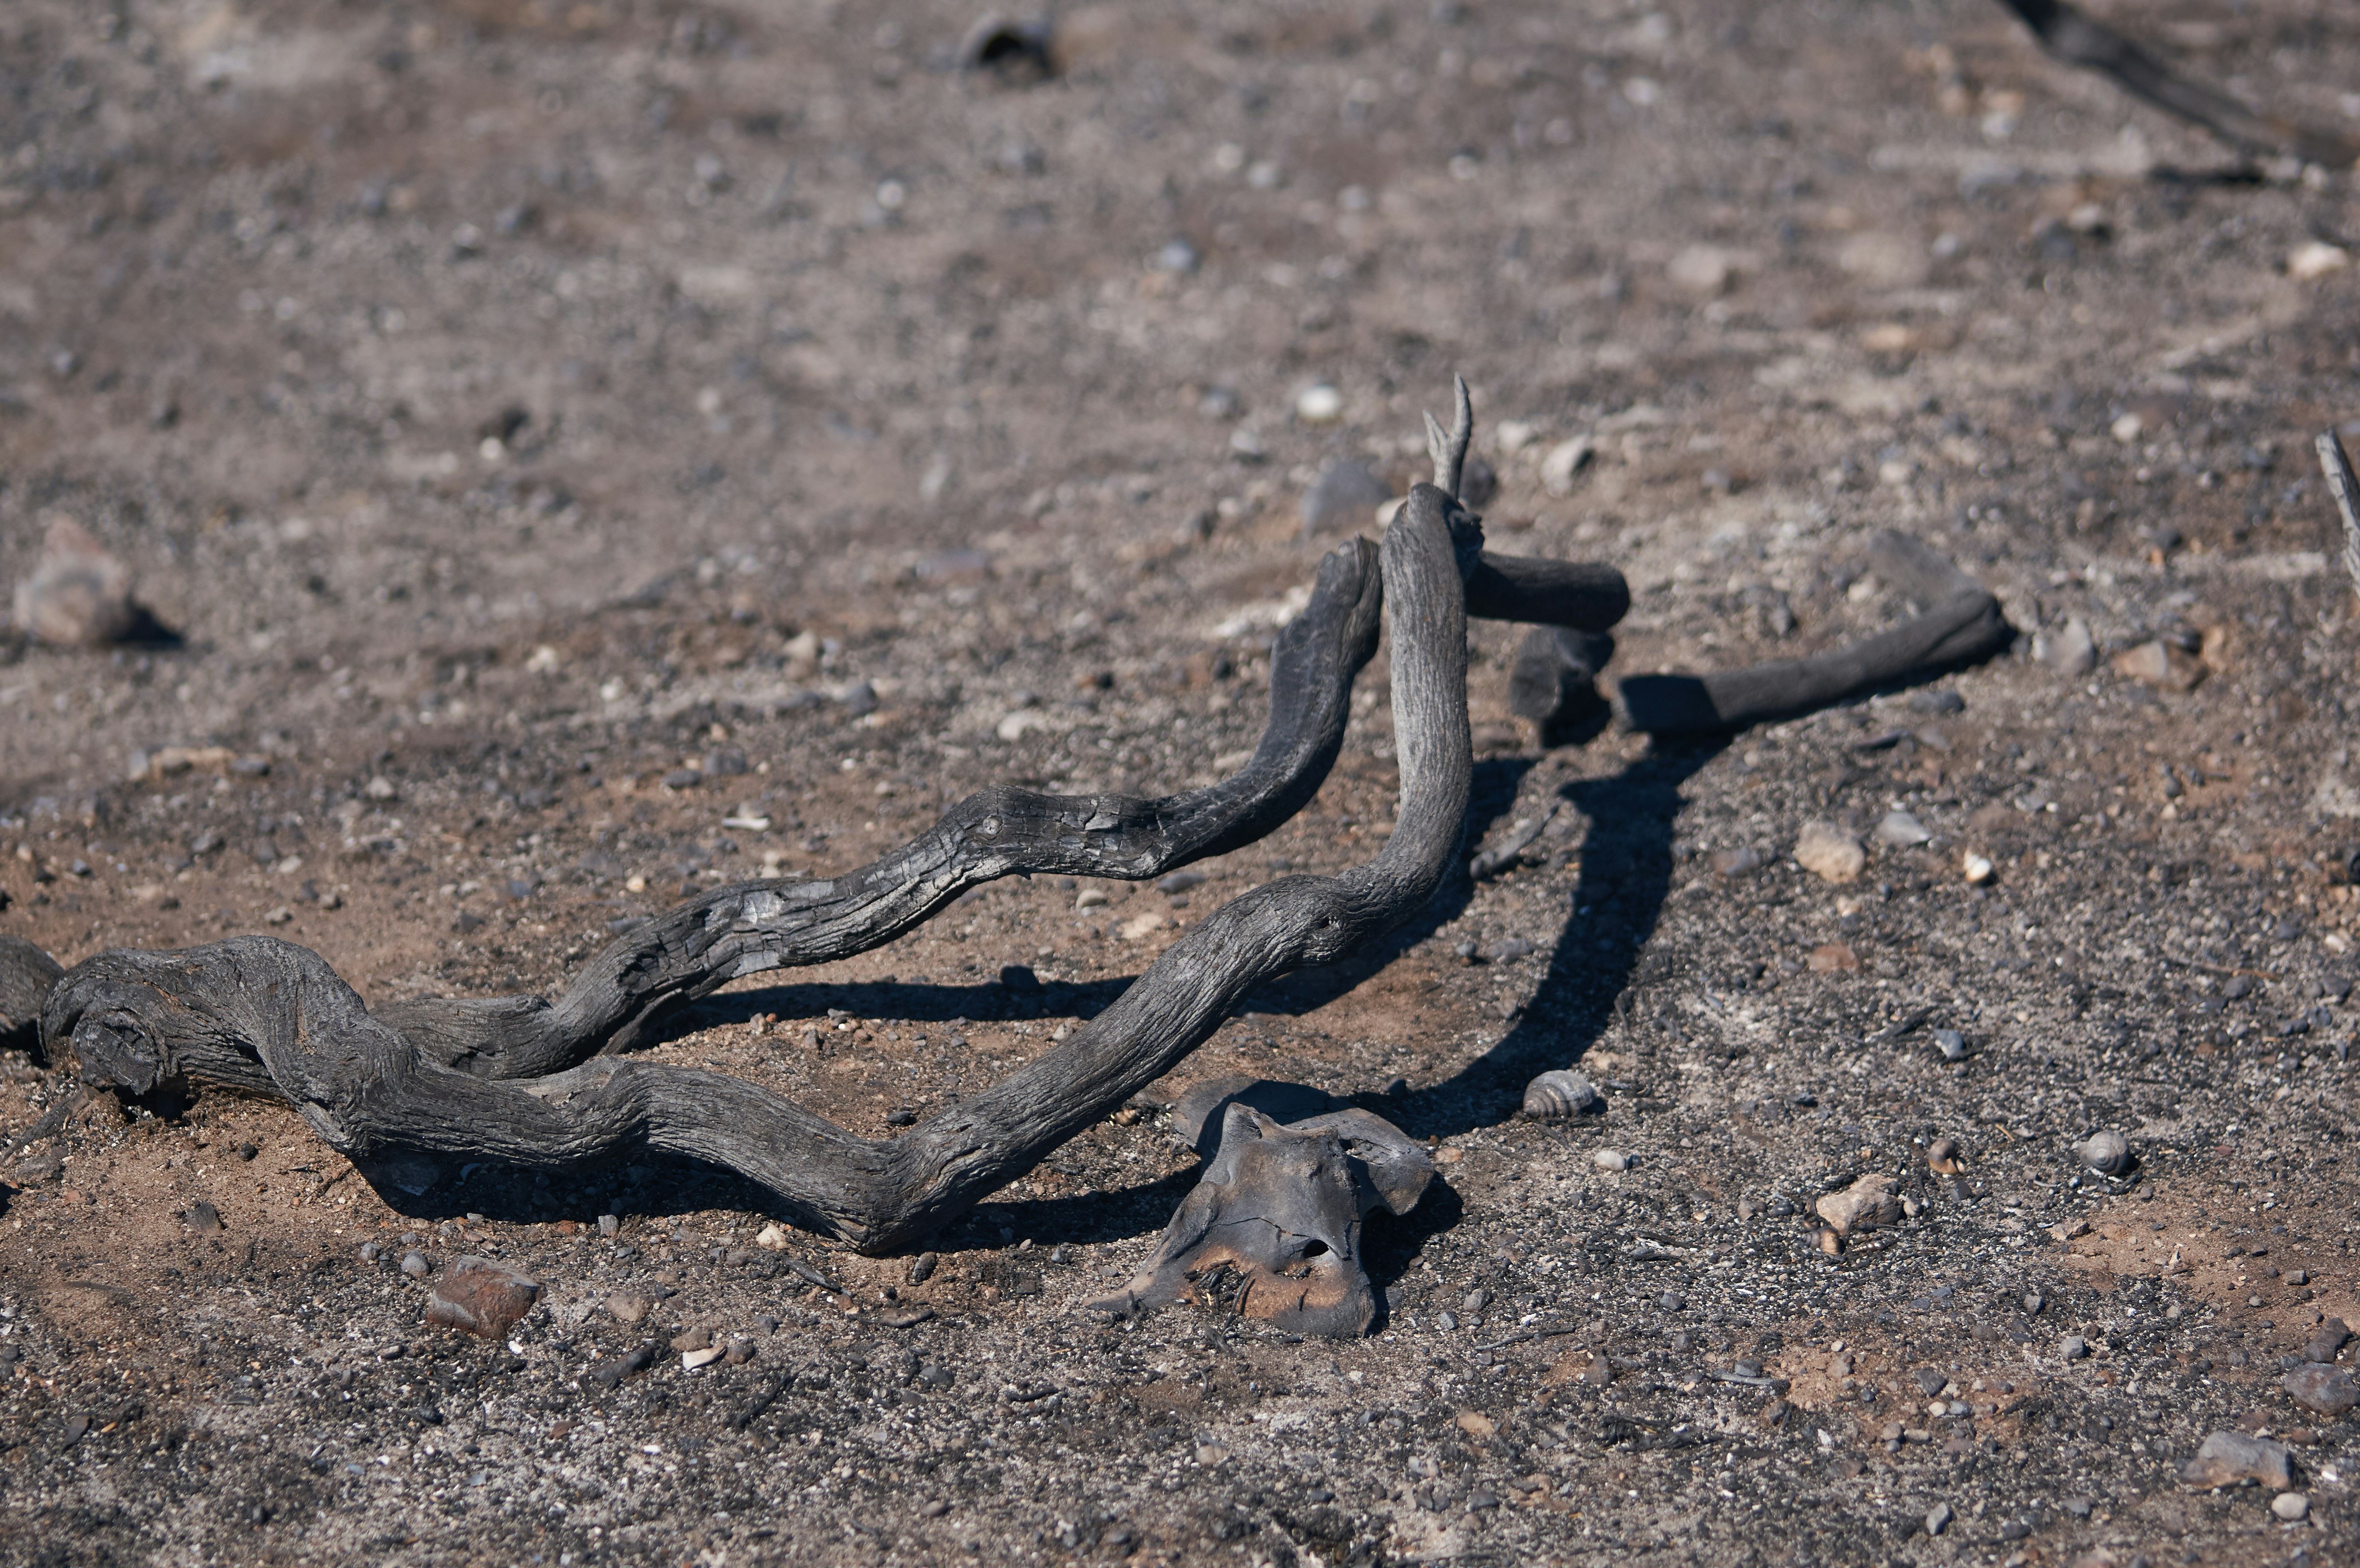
column 2345, row 486
column 1449, row 451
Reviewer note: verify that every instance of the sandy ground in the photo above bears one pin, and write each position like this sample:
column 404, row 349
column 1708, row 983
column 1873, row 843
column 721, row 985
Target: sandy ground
column 556, row 431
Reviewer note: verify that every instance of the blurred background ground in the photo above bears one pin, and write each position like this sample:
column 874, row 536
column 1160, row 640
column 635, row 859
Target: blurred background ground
column 584, row 452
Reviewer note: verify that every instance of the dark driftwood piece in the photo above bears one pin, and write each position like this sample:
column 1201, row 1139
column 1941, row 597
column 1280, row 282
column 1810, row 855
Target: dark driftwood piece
column 1963, row 625
column 1554, row 680
column 2344, row 486
column 272, row 1019
column 2063, row 31
column 25, row 975
column 696, row 947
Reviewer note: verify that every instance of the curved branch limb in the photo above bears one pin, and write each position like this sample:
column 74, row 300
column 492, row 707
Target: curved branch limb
column 1964, row 624
column 621, row 998
column 269, row 1018
column 2067, row 34
column 2343, row 484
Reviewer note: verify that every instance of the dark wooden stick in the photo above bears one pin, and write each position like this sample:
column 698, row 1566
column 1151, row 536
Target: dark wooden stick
column 269, row 1018
column 622, row 996
column 2344, row 487
column 1963, row 625
column 2068, row 34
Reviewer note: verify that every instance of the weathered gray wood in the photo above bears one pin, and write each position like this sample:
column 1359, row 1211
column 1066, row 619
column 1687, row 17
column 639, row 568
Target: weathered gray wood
column 2077, row 39
column 624, row 994
column 1963, row 623
column 269, row 1018
column 2344, row 487
column 1554, row 680
column 25, row 975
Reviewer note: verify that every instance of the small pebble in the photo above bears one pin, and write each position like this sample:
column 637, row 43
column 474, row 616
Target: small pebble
column 609, row 1224
column 414, row 1265
column 1938, row 1519
column 1445, row 1321
column 2291, row 1505
column 1978, row 869
column 1951, row 1044
column 1611, row 1159
column 1319, row 405
column 1476, row 1300
column 2072, row 1347
column 1829, row 851
column 1902, row 830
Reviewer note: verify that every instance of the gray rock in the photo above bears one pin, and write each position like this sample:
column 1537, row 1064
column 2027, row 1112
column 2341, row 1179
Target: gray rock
column 2236, row 1459
column 609, row 1224
column 79, row 595
column 414, row 1264
column 1951, row 1044
column 1671, row 1300
column 1445, row 1321
column 2069, row 650
column 1829, row 851
column 1929, row 1381
column 1938, row 1519
column 2106, row 1152
column 1732, row 864
column 2072, row 1347
column 2326, row 1340
column 2290, row 1507
column 2330, row 1391
column 1344, row 497
column 1476, row 1300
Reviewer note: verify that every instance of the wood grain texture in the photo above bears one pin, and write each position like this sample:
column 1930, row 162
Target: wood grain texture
column 621, row 998
column 268, row 1017
column 1962, row 624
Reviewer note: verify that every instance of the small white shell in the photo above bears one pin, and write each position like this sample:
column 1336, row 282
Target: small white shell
column 1561, row 1093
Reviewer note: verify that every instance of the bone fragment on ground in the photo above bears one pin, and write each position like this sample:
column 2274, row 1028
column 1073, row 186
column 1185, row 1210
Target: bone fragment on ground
column 1271, row 1230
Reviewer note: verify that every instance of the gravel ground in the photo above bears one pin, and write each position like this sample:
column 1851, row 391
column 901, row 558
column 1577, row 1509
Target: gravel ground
column 561, row 437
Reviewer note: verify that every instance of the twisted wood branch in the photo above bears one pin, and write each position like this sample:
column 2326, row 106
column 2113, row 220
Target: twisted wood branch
column 268, row 1017
column 623, row 995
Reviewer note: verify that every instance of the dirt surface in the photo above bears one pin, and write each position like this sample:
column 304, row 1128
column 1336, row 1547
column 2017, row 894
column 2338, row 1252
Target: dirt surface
column 565, row 436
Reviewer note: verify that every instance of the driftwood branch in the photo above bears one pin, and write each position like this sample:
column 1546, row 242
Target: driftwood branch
column 624, row 994
column 2069, row 36
column 1964, row 624
column 2343, row 484
column 272, row 1019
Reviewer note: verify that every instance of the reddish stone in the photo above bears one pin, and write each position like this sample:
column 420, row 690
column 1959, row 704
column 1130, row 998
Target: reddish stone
column 480, row 1297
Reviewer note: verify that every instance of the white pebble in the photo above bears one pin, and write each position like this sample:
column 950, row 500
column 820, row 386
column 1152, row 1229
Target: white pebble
column 1978, row 868
column 1611, row 1159
column 1319, row 405
column 2291, row 1505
